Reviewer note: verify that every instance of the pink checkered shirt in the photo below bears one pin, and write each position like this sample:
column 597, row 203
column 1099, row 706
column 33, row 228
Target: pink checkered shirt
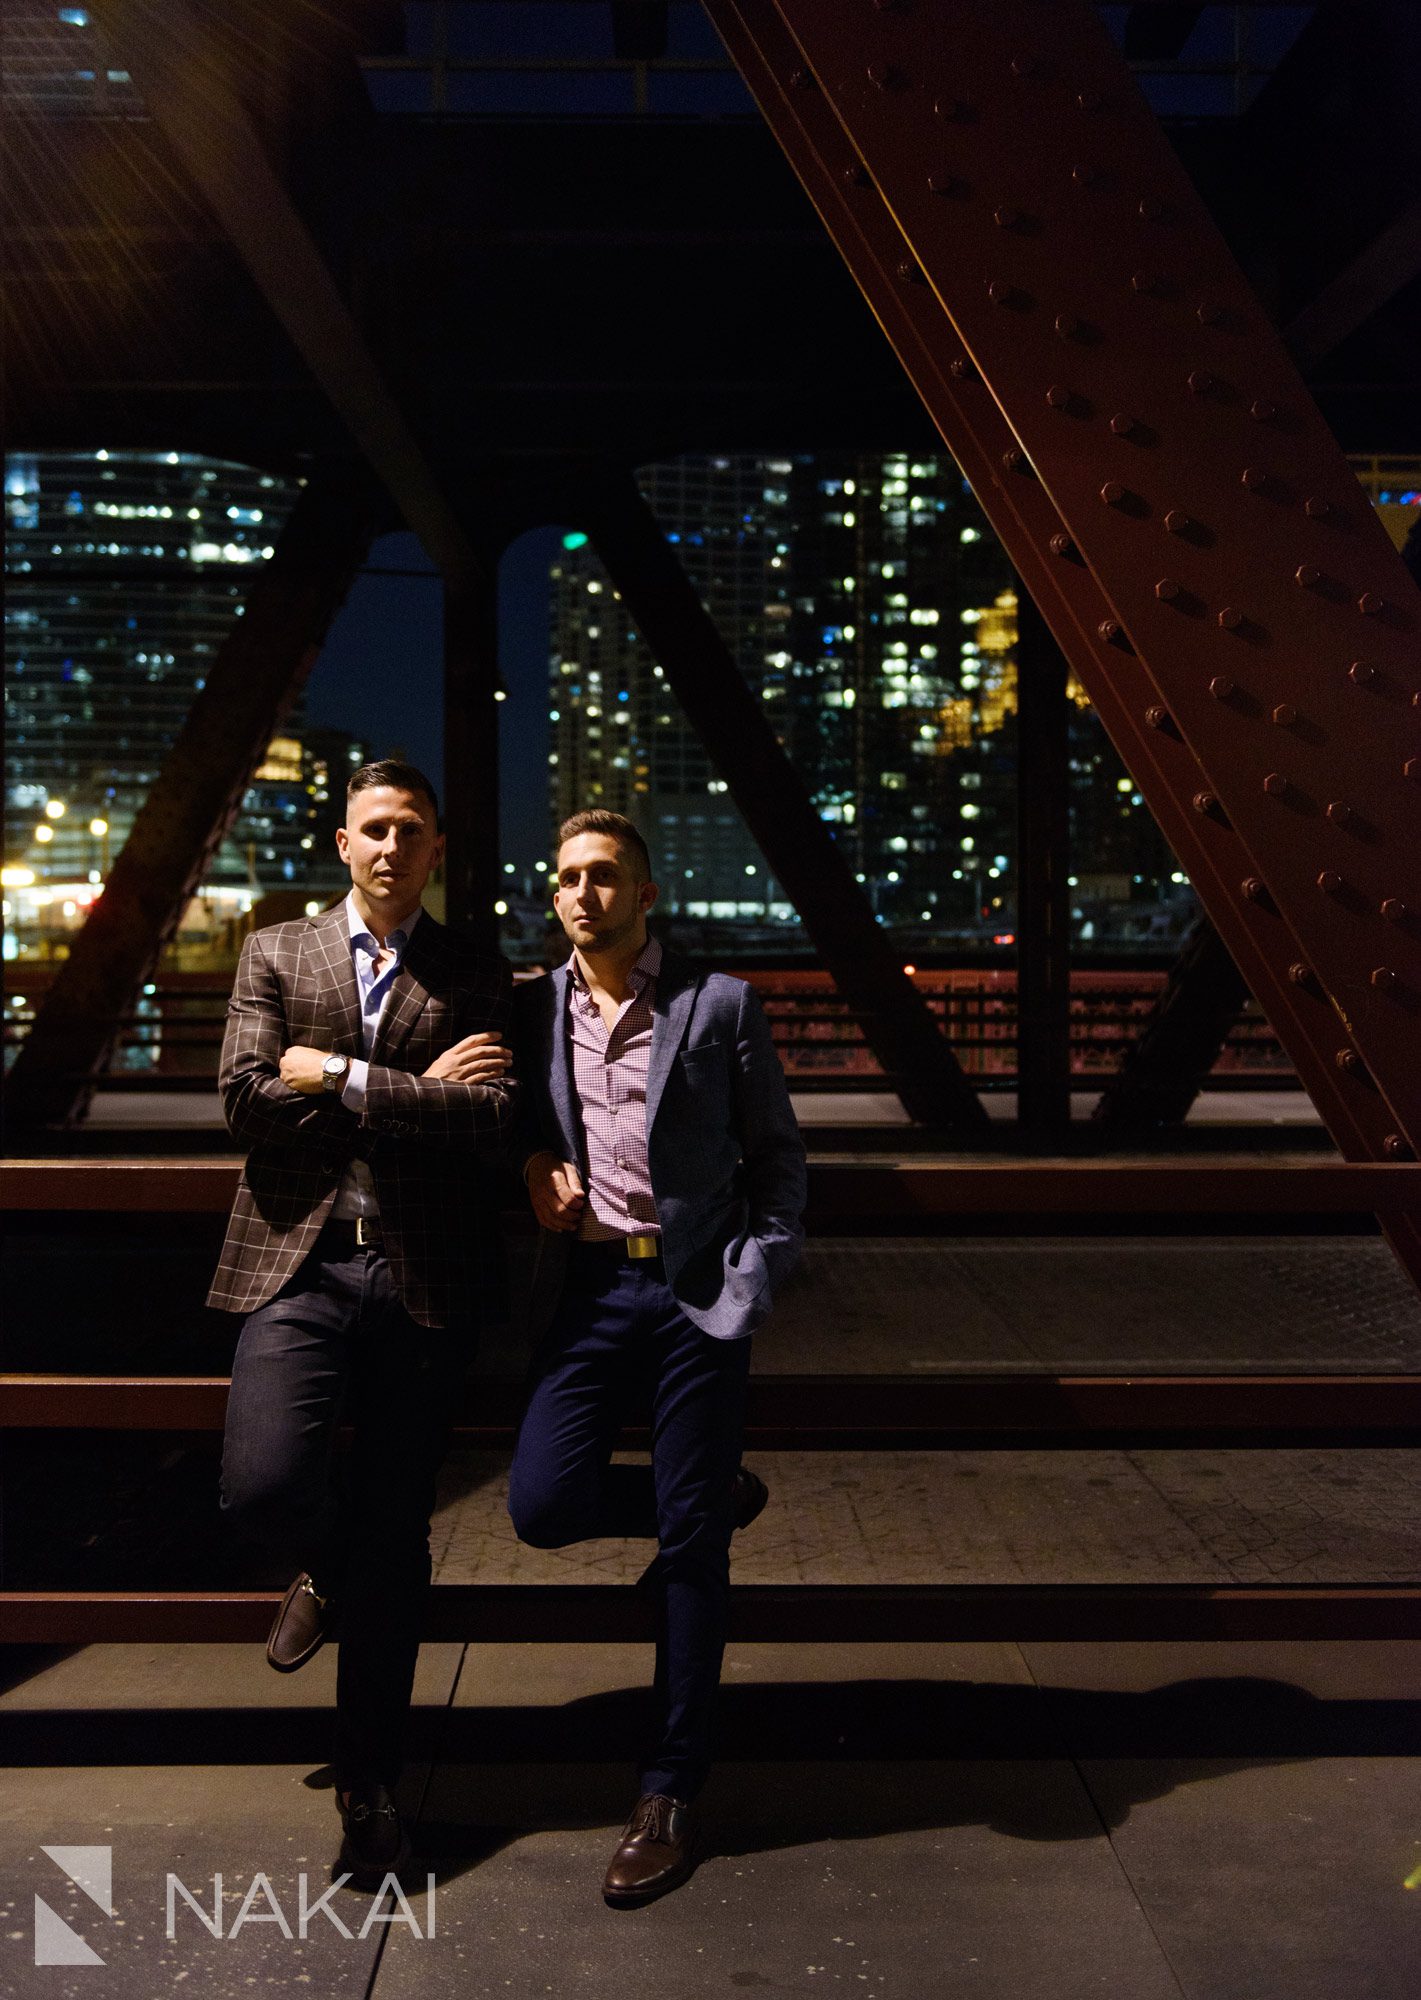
column 609, row 1072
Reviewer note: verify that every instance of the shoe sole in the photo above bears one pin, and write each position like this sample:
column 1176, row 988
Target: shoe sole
column 762, row 1500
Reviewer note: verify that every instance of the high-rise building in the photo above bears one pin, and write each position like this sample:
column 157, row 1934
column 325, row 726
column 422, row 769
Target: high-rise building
column 124, row 572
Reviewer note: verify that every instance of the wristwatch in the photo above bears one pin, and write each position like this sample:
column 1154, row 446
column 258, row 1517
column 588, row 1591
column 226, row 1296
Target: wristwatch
column 333, row 1071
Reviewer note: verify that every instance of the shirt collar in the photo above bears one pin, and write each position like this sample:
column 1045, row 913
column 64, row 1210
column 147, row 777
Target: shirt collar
column 646, row 968
column 358, row 930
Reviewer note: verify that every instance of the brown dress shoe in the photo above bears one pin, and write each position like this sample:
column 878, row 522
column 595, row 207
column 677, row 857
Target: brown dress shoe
column 301, row 1626
column 656, row 1853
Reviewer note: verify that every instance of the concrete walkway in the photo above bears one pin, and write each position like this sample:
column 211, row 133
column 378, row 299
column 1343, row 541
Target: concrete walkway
column 1144, row 1823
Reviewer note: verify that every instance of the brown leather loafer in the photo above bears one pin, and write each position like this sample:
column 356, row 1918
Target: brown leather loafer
column 656, row 1853
column 301, row 1626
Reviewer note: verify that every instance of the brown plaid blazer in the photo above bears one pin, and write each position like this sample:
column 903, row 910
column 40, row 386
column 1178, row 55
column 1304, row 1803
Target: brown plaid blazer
column 430, row 1144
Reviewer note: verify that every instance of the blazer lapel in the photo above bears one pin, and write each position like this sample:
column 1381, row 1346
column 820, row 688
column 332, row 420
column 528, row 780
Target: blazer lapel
column 560, row 1084
column 671, row 1013
column 332, row 970
column 409, row 990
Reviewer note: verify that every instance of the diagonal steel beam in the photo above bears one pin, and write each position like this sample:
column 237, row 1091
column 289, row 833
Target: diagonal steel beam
column 1167, row 1064
column 838, row 180
column 771, row 797
column 193, row 97
column 258, row 670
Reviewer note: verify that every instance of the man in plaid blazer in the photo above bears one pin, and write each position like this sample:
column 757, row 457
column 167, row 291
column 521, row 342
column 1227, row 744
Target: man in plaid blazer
column 364, row 1066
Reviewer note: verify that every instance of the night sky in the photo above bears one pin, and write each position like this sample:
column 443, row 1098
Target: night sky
column 380, row 674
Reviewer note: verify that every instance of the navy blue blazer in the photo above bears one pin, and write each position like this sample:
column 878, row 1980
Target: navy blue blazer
column 727, row 1161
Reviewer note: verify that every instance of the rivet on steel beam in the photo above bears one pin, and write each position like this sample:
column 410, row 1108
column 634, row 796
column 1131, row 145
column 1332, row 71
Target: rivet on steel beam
column 1230, row 618
column 1206, row 802
column 1144, row 281
column 1015, row 461
column 1121, row 424
column 1157, row 716
column 1086, row 177
column 1177, row 521
column 1317, row 510
column 1285, row 715
column 1339, row 813
column 855, row 174
column 1006, row 218
column 1069, row 327
column 1395, row 1147
column 1264, row 412
column 910, row 272
column 1254, row 888
column 961, row 370
column 884, row 76
column 1329, row 881
column 1362, row 673
column 1030, row 66
column 1384, row 979
column 1394, row 910
column 1222, row 688
column 1210, row 314
column 940, row 183
column 1112, row 492
column 1349, row 1062
column 1166, row 590
column 1151, row 208
column 1110, row 629
column 801, row 79
column 1062, row 545
column 1199, row 381
column 1300, row 974
column 1275, row 784
column 1370, row 605
column 1308, row 575
column 1090, row 101
column 1058, row 396
column 1000, row 293
column 1254, row 478
column 950, row 108
column 1412, row 769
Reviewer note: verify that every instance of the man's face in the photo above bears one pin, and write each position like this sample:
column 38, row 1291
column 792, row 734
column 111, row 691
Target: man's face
column 390, row 844
column 599, row 900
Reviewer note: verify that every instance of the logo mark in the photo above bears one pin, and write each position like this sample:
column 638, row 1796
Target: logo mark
column 89, row 1869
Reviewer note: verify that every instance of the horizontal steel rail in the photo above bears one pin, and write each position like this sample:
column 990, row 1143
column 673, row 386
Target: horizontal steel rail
column 839, row 1194
column 854, row 1412
column 765, row 1613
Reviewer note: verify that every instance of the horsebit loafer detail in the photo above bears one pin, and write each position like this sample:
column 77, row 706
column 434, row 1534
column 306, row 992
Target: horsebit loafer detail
column 301, row 1626
column 375, row 1844
column 656, row 1853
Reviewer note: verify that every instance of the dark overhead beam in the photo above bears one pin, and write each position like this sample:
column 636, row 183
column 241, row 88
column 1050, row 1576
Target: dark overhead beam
column 1158, row 33
column 1169, row 1063
column 188, row 89
column 1371, row 281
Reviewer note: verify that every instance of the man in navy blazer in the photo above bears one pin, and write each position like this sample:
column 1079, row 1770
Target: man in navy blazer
column 665, row 1166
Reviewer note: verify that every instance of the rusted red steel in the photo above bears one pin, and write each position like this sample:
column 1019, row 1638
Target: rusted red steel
column 845, row 1198
column 946, row 136
column 851, row 1412
column 804, row 1613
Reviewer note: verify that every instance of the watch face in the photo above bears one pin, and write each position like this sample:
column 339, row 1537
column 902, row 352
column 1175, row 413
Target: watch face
column 336, row 1065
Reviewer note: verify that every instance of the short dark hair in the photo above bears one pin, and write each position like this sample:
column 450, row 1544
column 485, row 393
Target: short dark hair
column 400, row 777
column 617, row 827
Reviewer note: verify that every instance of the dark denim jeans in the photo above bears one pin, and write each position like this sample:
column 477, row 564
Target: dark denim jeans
column 619, row 1333
column 337, row 1343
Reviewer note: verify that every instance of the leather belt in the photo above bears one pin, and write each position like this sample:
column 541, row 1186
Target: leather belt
column 362, row 1231
column 638, row 1247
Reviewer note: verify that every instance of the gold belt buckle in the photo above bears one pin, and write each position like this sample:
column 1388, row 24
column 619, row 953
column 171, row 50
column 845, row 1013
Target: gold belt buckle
column 361, row 1238
column 643, row 1246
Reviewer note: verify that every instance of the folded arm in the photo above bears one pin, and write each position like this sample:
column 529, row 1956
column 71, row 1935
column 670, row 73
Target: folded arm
column 260, row 1108
column 439, row 1106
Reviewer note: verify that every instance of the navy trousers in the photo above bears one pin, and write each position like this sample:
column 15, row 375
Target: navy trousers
column 619, row 1335
column 336, row 1341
